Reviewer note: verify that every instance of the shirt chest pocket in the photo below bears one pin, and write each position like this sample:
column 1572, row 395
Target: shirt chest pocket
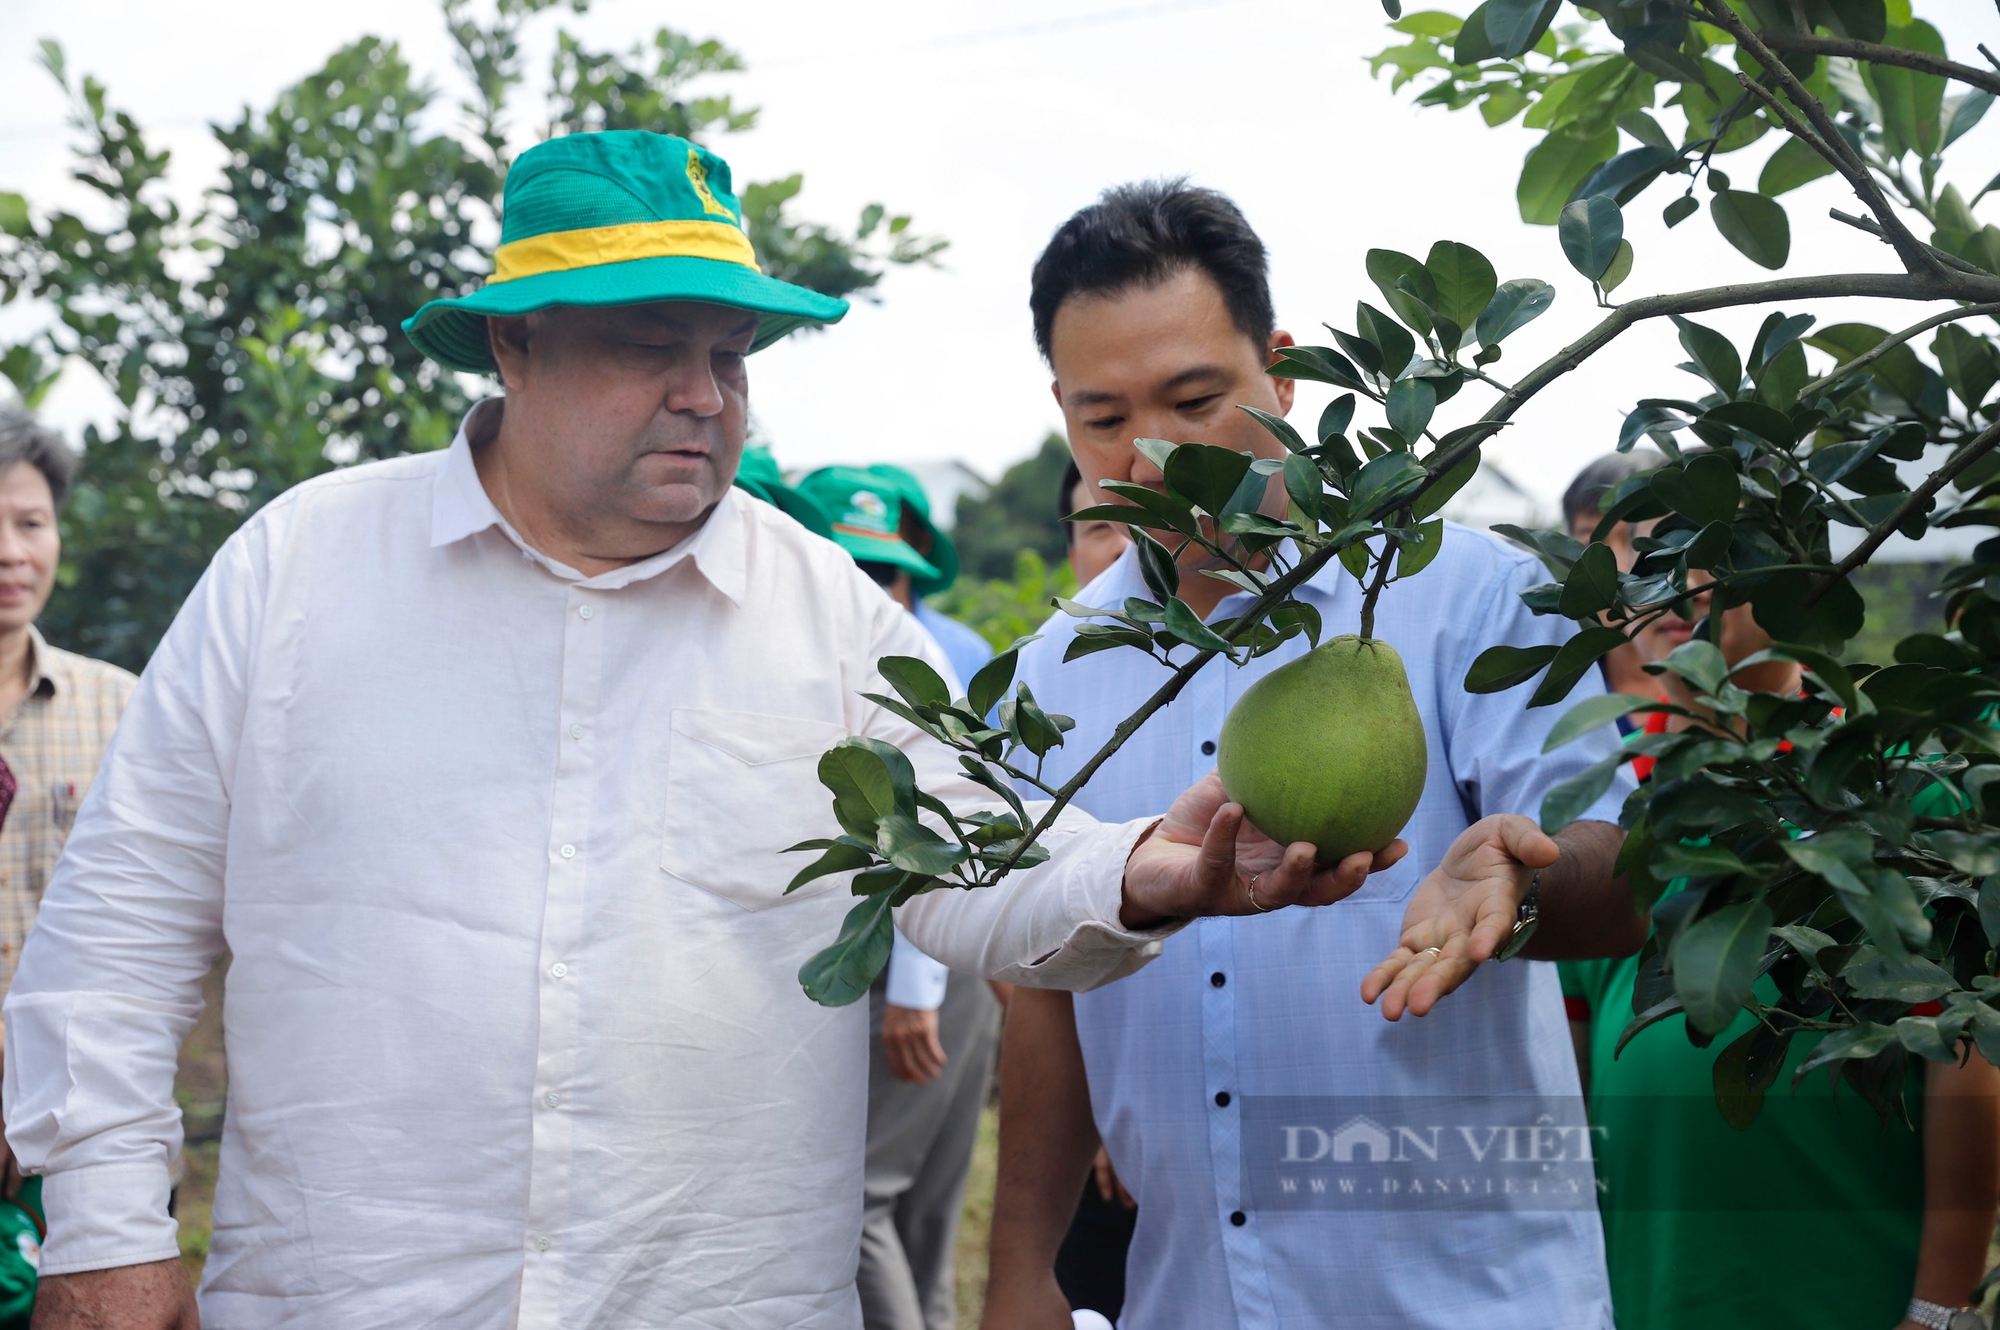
column 741, row 786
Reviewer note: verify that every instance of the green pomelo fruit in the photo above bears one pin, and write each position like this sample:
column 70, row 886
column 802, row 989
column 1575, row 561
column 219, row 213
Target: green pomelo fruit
column 1328, row 749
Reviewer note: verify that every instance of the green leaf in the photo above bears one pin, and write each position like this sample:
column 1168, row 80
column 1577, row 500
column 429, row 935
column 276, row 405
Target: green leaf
column 1713, row 355
column 1410, row 405
column 1644, row 128
column 1911, row 103
column 1304, row 484
column 1700, row 663
column 1514, row 26
column 1318, row 363
column 1279, row 428
column 1621, row 268
column 1576, row 655
column 1186, row 625
column 1703, row 491
column 1755, row 224
column 1413, row 556
column 1571, row 799
column 1514, row 305
column 1715, row 963
column 1795, row 163
column 1976, row 855
column 1440, row 494
column 869, row 780
column 1909, row 979
column 1386, row 267
column 919, row 684
column 1962, row 112
column 1473, row 44
column 1860, row 1041
column 991, row 683
column 843, row 972
column 1589, row 716
column 1464, row 279
column 1156, row 565
column 1384, row 483
column 1339, row 414
column 915, row 848
column 1391, row 339
column 1592, row 584
column 1591, row 230
column 1679, row 211
column 1555, row 167
column 13, row 214
column 839, row 858
column 1828, row 670
column 1499, row 668
column 1207, row 476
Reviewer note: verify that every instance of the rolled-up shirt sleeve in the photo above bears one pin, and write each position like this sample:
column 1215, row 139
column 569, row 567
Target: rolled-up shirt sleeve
column 1052, row 926
column 110, row 979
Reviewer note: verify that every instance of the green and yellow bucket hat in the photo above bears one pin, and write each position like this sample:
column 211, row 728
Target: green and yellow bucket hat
column 621, row 217
column 867, row 505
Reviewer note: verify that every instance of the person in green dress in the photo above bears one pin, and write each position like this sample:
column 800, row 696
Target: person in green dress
column 1818, row 1214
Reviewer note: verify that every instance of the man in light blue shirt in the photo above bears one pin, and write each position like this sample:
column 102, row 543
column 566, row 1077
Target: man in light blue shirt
column 1244, row 1061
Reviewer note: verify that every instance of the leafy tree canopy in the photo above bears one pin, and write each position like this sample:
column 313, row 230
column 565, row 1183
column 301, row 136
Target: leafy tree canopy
column 253, row 341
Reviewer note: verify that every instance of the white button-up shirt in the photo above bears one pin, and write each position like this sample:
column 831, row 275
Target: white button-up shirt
column 1268, row 1008
column 515, row 1034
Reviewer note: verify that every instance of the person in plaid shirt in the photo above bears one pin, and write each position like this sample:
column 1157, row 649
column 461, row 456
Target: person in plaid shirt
column 57, row 709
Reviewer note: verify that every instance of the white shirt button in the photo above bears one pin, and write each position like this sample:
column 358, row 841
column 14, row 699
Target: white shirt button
column 584, row 611
column 559, row 969
column 552, row 1099
column 576, row 731
column 543, row 1242
column 569, row 851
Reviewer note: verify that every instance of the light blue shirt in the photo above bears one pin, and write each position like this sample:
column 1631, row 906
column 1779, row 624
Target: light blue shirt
column 1271, row 1006
column 915, row 980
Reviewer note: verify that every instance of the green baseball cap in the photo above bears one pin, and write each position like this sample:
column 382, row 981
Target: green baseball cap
column 758, row 474
column 867, row 508
column 621, row 217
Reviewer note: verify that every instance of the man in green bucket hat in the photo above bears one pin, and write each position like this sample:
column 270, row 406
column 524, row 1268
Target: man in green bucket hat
column 481, row 763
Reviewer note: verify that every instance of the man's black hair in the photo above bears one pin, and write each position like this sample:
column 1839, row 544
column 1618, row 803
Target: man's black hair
column 1066, row 501
column 1138, row 235
column 1585, row 495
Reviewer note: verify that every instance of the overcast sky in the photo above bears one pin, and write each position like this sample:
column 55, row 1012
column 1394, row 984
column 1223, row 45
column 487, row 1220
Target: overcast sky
column 991, row 123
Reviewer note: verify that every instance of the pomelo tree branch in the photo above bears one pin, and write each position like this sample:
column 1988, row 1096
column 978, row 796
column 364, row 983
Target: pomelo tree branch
column 1894, row 340
column 1829, row 140
column 1876, row 53
column 1920, row 497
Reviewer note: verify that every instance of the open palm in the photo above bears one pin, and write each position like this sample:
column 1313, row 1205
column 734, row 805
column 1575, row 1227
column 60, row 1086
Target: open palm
column 1462, row 911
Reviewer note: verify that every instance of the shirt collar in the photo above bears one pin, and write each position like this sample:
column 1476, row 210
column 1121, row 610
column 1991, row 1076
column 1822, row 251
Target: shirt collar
column 461, row 507
column 43, row 682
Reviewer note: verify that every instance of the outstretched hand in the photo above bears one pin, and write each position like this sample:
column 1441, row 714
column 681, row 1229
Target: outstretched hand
column 1204, row 858
column 1461, row 913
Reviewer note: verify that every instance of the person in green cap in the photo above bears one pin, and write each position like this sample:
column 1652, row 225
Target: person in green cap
column 934, row 1031
column 482, row 764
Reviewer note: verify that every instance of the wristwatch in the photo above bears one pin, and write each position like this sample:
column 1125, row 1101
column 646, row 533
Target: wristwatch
column 1937, row 1316
column 1525, row 920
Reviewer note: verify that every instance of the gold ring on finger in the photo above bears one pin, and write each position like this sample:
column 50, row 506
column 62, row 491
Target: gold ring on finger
column 1431, row 951
column 1250, row 890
